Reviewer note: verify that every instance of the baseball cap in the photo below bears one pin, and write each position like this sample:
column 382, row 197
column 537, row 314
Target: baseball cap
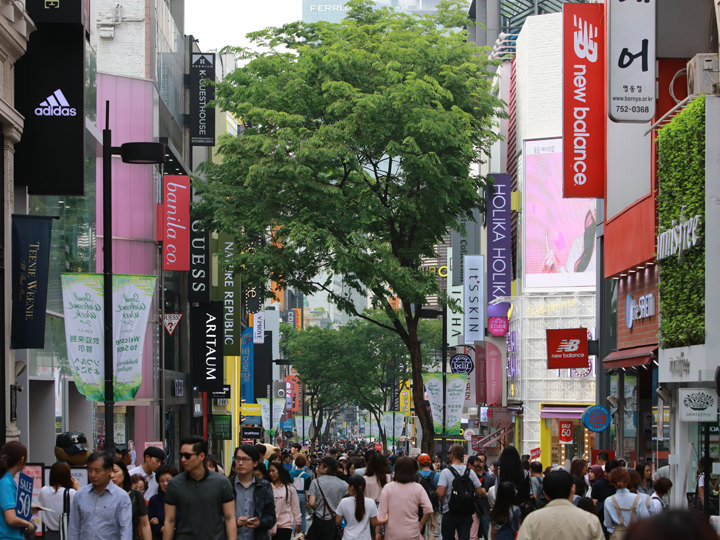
column 73, row 442
column 424, row 459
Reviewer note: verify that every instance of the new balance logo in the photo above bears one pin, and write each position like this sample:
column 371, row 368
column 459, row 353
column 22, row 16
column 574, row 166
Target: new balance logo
column 568, row 345
column 584, row 40
column 55, row 105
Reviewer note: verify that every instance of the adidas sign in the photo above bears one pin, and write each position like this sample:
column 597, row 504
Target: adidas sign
column 55, row 105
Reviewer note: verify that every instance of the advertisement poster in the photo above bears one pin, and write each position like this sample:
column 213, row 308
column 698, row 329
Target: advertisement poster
column 84, row 331
column 247, row 367
column 393, row 430
column 303, row 424
column 559, row 238
column 456, row 383
column 35, row 471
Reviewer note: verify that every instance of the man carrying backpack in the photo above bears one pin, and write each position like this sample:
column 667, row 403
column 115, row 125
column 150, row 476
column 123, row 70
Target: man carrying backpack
column 457, row 488
column 429, row 479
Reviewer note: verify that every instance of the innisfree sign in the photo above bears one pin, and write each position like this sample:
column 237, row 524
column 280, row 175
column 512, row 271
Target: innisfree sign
column 682, row 236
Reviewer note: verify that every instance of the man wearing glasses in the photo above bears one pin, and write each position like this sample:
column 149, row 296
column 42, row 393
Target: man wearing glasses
column 198, row 502
column 254, row 499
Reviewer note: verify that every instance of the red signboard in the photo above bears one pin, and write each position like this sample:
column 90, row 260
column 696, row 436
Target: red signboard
column 584, row 112
column 566, row 431
column 175, row 215
column 475, row 443
column 567, row 348
column 534, row 454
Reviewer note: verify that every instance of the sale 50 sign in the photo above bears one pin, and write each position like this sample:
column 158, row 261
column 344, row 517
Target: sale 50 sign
column 584, row 102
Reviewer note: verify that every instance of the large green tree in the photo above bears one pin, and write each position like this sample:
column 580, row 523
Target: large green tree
column 356, row 159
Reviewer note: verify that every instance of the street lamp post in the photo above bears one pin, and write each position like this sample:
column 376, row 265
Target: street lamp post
column 142, row 153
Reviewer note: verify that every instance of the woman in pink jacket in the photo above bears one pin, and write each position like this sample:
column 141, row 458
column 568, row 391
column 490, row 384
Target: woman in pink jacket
column 287, row 504
column 399, row 504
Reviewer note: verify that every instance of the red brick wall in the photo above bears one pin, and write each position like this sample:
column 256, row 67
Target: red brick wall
column 643, row 331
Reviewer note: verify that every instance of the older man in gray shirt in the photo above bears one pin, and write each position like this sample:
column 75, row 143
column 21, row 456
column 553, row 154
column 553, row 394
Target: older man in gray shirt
column 100, row 510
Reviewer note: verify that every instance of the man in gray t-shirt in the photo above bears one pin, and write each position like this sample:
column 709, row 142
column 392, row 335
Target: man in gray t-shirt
column 450, row 522
column 325, row 492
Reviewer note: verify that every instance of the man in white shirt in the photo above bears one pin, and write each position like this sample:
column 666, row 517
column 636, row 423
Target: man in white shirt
column 560, row 519
column 153, row 457
column 452, row 523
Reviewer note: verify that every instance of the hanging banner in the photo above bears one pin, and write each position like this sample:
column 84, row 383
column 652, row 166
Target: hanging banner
column 499, row 239
column 207, row 346
column 584, row 116
column 631, row 64
column 474, row 299
column 264, row 412
column 467, row 243
column 456, row 384
column 454, row 325
column 405, row 398
column 231, row 297
column 303, row 424
column 247, row 367
column 258, row 328
column 84, row 331
column 30, row 267
column 199, row 276
column 565, row 431
column 175, row 215
column 393, row 429
column 278, row 410
column 202, row 117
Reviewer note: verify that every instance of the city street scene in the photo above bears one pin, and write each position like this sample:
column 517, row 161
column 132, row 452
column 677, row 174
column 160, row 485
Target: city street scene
column 360, row 269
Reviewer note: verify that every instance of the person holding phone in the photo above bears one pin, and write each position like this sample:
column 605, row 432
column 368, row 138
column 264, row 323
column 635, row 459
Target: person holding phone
column 254, row 497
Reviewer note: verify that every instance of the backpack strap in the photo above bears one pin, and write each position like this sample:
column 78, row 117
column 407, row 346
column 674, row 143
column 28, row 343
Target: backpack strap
column 619, row 512
column 454, row 472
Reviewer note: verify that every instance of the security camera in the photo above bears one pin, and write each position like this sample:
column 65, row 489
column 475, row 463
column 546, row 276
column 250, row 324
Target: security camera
column 613, row 401
column 664, row 393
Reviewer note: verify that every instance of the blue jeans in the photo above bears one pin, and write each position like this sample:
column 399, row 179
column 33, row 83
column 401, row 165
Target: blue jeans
column 452, row 523
column 303, row 510
column 485, row 526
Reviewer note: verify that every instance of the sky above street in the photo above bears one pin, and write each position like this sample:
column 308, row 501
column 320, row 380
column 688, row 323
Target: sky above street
column 216, row 23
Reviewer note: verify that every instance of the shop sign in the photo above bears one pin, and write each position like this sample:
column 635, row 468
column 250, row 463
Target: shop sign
column 199, row 277
column 461, row 363
column 175, row 212
column 231, row 295
column 631, row 65
column 498, row 326
column 475, row 443
column 567, row 348
column 643, row 308
column 697, row 405
column 596, row 418
column 680, row 365
column 566, row 432
column 202, row 117
column 474, row 298
column 467, row 243
column 499, row 247
column 534, row 454
column 584, row 116
column 493, row 373
column 681, row 237
column 251, row 432
column 207, row 346
column 512, row 355
column 222, row 427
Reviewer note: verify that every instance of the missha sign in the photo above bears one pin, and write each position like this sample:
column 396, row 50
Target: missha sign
column 584, row 115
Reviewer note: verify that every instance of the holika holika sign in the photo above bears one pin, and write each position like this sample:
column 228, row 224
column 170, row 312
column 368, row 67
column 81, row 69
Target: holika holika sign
column 455, row 398
column 84, row 333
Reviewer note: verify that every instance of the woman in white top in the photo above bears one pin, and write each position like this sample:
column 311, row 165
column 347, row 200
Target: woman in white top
column 358, row 510
column 51, row 497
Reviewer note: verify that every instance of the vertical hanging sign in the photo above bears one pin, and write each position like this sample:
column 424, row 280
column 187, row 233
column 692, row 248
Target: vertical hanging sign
column 231, row 295
column 30, row 267
column 631, row 61
column 199, row 278
column 206, row 332
column 202, row 117
column 583, row 100
column 176, row 223
column 499, row 249
column 247, row 366
column 474, row 298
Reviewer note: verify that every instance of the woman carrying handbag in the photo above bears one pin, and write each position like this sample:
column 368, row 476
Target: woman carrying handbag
column 325, row 493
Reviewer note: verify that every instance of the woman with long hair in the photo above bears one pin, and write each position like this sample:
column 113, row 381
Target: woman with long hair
column 399, row 503
column 511, row 470
column 12, row 459
column 377, row 476
column 53, row 496
column 646, row 482
column 140, row 522
column 287, row 505
column 156, row 505
column 358, row 510
column 505, row 515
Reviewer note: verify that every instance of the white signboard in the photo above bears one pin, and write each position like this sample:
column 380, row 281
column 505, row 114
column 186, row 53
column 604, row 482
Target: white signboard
column 474, row 298
column 259, row 328
column 697, row 405
column 631, row 60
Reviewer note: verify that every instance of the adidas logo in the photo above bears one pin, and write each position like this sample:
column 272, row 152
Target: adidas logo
column 55, row 105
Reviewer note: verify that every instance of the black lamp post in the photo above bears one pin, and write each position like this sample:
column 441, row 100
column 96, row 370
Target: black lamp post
column 142, row 153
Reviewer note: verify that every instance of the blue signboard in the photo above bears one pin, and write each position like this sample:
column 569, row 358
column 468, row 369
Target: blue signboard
column 24, row 497
column 286, row 425
column 596, row 418
column 246, row 366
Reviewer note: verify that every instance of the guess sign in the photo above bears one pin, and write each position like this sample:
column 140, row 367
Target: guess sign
column 566, row 432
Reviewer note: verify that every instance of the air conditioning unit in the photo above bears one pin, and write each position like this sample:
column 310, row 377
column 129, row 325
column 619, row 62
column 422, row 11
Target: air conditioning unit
column 702, row 74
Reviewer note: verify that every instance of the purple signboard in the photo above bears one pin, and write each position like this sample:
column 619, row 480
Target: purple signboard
column 499, row 268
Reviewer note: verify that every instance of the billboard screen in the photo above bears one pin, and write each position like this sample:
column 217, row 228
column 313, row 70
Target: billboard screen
column 559, row 234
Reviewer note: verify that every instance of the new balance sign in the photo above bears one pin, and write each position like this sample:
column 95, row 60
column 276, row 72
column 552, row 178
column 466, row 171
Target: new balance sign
column 583, row 100
column 567, row 348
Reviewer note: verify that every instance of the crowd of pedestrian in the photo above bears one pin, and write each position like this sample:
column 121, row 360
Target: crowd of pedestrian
column 356, row 493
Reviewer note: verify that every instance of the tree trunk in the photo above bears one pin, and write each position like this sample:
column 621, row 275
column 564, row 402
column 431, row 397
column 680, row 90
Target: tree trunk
column 428, row 432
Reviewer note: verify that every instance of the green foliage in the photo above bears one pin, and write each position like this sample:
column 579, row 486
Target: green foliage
column 681, row 188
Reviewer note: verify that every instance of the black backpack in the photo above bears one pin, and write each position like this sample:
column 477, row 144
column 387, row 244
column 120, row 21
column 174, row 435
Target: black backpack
column 462, row 493
column 427, row 483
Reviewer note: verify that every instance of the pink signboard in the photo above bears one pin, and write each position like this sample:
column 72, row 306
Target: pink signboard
column 493, row 373
column 498, row 326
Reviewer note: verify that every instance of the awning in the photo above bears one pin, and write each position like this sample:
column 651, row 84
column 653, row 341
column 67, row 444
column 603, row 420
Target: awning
column 627, row 358
column 568, row 412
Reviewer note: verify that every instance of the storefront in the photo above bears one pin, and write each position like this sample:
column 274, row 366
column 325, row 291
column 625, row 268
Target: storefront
column 562, row 434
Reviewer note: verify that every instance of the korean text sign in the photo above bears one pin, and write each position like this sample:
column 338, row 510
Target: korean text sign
column 583, row 100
